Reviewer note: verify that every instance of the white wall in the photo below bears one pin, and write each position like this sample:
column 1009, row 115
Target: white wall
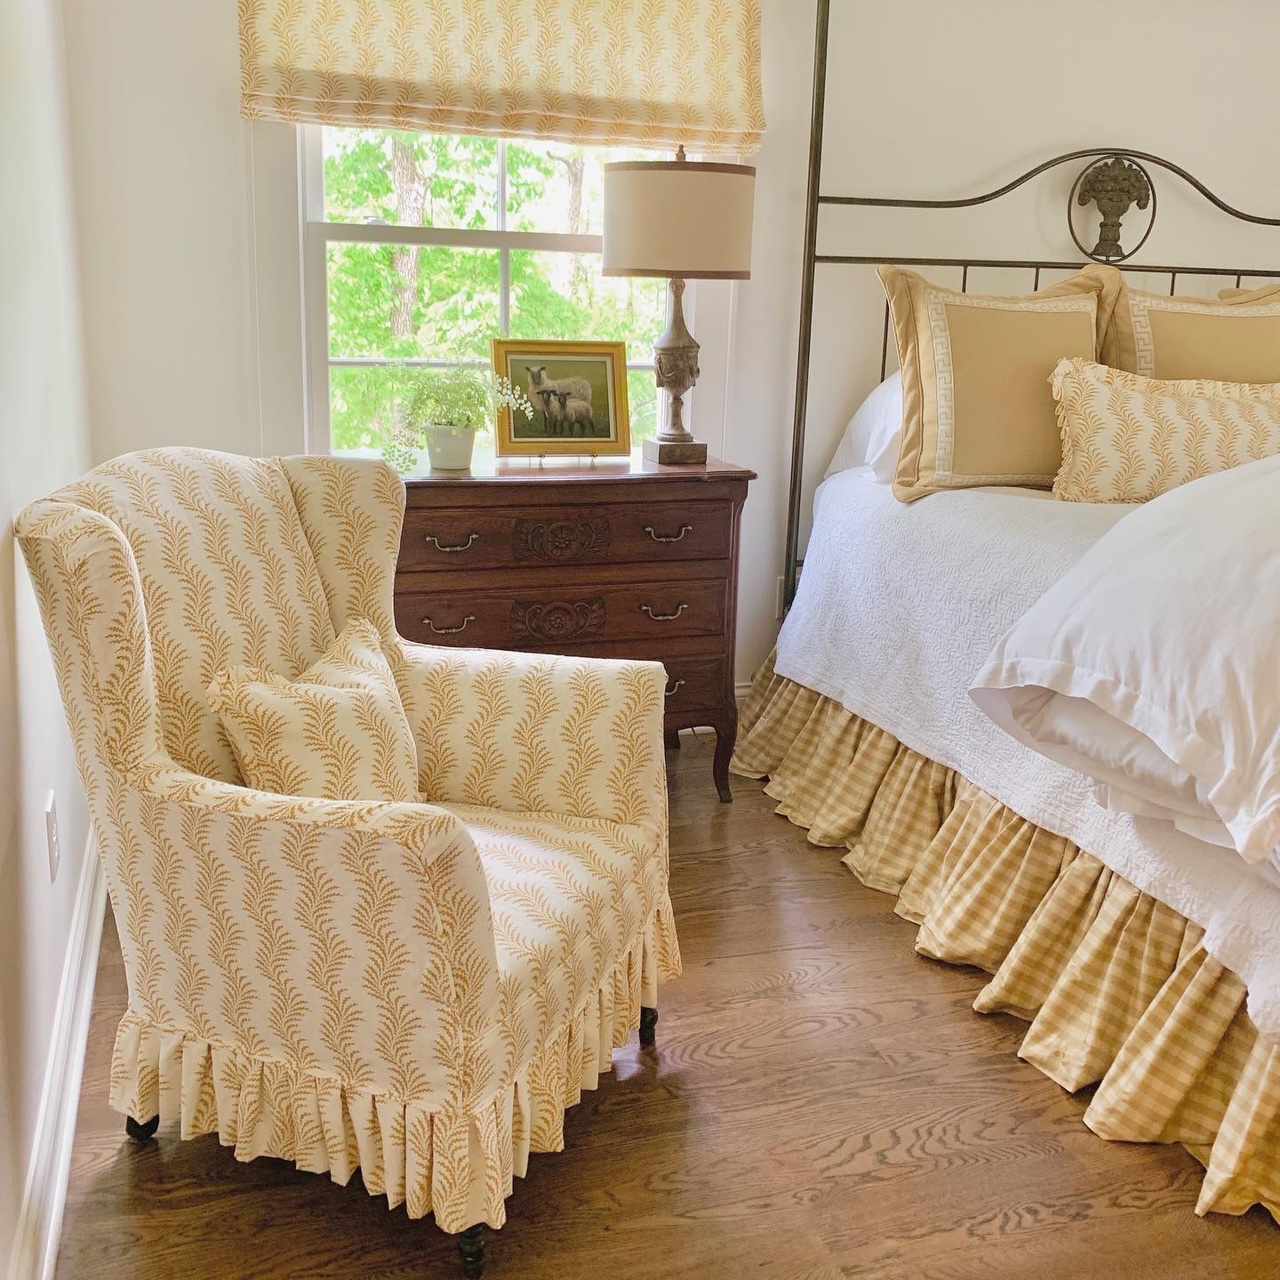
column 191, row 279
column 170, row 228
column 44, row 441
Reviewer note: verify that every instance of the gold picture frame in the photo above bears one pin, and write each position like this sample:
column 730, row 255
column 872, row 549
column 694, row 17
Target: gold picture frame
column 579, row 396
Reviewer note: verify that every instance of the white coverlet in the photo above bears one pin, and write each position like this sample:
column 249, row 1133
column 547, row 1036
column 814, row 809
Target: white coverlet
column 898, row 608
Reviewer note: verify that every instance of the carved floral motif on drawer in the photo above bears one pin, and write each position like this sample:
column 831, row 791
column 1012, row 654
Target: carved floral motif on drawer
column 555, row 540
column 558, row 621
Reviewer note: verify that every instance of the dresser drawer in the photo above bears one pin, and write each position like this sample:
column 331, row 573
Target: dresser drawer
column 628, row 532
column 694, row 684
column 548, row 617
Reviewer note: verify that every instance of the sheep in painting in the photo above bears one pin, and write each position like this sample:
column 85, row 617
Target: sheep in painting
column 552, row 412
column 576, row 413
column 579, row 388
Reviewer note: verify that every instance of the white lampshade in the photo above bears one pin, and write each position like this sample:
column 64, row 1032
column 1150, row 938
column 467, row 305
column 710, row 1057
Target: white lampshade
column 677, row 218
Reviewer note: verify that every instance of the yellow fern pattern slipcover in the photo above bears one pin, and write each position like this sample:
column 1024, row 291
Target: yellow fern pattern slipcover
column 415, row 989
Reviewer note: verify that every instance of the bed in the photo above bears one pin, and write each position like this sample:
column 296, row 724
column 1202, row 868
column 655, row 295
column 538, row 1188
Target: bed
column 1146, row 962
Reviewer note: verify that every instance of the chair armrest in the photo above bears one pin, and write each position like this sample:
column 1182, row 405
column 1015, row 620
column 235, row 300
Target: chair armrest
column 538, row 733
column 343, row 939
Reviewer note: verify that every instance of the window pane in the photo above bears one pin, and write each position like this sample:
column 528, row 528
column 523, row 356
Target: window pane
column 413, row 179
column 425, row 301
column 642, row 396
column 563, row 295
column 555, row 187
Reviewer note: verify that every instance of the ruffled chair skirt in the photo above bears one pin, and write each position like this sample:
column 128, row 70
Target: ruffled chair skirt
column 1116, row 986
column 458, row 1165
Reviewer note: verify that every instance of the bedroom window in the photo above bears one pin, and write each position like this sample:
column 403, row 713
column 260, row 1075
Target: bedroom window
column 420, row 248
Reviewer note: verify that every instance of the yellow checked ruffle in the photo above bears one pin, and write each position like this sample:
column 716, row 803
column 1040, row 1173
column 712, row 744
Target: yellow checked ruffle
column 1116, row 986
column 419, row 987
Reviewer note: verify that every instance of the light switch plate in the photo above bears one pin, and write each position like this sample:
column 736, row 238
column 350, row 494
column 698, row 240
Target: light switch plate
column 51, row 836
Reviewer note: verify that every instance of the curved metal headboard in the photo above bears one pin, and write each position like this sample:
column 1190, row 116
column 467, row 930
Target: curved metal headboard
column 1115, row 180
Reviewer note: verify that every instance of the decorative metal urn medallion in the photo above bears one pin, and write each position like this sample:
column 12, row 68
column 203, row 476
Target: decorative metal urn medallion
column 1114, row 185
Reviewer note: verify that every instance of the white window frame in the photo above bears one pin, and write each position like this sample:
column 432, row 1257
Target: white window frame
column 316, row 235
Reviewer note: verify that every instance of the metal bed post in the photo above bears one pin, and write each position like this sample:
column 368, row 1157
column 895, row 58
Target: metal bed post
column 806, row 294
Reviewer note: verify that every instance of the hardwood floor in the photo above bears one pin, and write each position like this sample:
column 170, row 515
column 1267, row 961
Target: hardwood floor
column 822, row 1103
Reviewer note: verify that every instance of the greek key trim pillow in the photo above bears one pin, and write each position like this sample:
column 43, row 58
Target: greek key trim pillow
column 975, row 411
column 1234, row 338
column 338, row 731
column 1126, row 438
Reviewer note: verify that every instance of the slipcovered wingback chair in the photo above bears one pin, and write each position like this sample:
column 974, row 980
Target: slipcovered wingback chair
column 417, row 990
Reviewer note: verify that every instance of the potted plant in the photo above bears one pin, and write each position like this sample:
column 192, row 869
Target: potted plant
column 441, row 409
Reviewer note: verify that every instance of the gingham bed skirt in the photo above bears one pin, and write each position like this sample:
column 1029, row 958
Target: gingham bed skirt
column 1116, row 986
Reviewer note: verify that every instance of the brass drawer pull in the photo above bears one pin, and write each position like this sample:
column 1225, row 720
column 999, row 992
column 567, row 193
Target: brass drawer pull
column 444, row 546
column 673, row 689
column 679, row 537
column 450, row 631
column 663, row 617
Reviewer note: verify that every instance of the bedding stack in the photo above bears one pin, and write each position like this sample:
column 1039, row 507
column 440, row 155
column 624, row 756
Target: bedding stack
column 1042, row 706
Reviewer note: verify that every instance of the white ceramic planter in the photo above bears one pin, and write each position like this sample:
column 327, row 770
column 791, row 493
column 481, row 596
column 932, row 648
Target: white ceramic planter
column 450, row 450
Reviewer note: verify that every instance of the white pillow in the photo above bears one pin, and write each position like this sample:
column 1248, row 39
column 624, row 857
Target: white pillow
column 871, row 439
column 1151, row 665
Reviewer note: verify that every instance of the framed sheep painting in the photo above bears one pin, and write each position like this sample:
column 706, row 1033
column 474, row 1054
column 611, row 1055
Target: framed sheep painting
column 578, row 394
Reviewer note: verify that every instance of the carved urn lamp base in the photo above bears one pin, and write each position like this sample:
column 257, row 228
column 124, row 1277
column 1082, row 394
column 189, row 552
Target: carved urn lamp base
column 675, row 356
column 676, row 453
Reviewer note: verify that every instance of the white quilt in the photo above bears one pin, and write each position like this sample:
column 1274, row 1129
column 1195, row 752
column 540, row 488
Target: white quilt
column 898, row 608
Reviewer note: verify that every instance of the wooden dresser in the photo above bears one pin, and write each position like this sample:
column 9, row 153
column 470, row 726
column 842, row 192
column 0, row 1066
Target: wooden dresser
column 620, row 560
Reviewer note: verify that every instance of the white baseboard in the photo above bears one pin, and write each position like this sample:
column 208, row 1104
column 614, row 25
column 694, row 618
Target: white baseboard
column 35, row 1242
column 740, row 691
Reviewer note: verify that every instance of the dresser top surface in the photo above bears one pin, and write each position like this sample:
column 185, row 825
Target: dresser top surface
column 576, row 470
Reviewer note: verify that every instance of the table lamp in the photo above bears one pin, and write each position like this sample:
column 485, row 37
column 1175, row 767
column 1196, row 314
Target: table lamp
column 687, row 221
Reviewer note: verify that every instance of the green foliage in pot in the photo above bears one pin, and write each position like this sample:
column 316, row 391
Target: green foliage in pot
column 454, row 399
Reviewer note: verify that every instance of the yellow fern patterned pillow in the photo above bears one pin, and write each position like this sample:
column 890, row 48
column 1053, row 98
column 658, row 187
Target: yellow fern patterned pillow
column 1126, row 438
column 337, row 732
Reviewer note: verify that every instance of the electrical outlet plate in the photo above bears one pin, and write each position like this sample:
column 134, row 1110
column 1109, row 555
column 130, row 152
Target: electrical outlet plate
column 51, row 836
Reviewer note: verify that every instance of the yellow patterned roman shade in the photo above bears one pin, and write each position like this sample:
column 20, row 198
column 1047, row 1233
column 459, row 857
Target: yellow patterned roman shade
column 646, row 73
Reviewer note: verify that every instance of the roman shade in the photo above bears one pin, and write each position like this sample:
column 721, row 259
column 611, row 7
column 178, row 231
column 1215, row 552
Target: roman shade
column 646, row 73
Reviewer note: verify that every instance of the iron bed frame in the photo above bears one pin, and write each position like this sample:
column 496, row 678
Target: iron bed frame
column 1114, row 179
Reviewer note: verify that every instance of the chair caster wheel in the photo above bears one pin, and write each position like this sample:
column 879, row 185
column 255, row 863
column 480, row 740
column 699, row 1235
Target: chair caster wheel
column 648, row 1028
column 471, row 1246
column 141, row 1131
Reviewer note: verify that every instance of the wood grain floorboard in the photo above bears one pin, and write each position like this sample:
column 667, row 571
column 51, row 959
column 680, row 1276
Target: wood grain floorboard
column 823, row 1104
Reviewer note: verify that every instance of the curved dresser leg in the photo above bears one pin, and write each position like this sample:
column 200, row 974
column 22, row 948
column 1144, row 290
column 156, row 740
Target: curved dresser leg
column 471, row 1247
column 726, row 738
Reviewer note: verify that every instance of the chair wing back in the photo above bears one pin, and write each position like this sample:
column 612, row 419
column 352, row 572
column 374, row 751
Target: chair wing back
column 214, row 545
column 91, row 602
column 352, row 511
